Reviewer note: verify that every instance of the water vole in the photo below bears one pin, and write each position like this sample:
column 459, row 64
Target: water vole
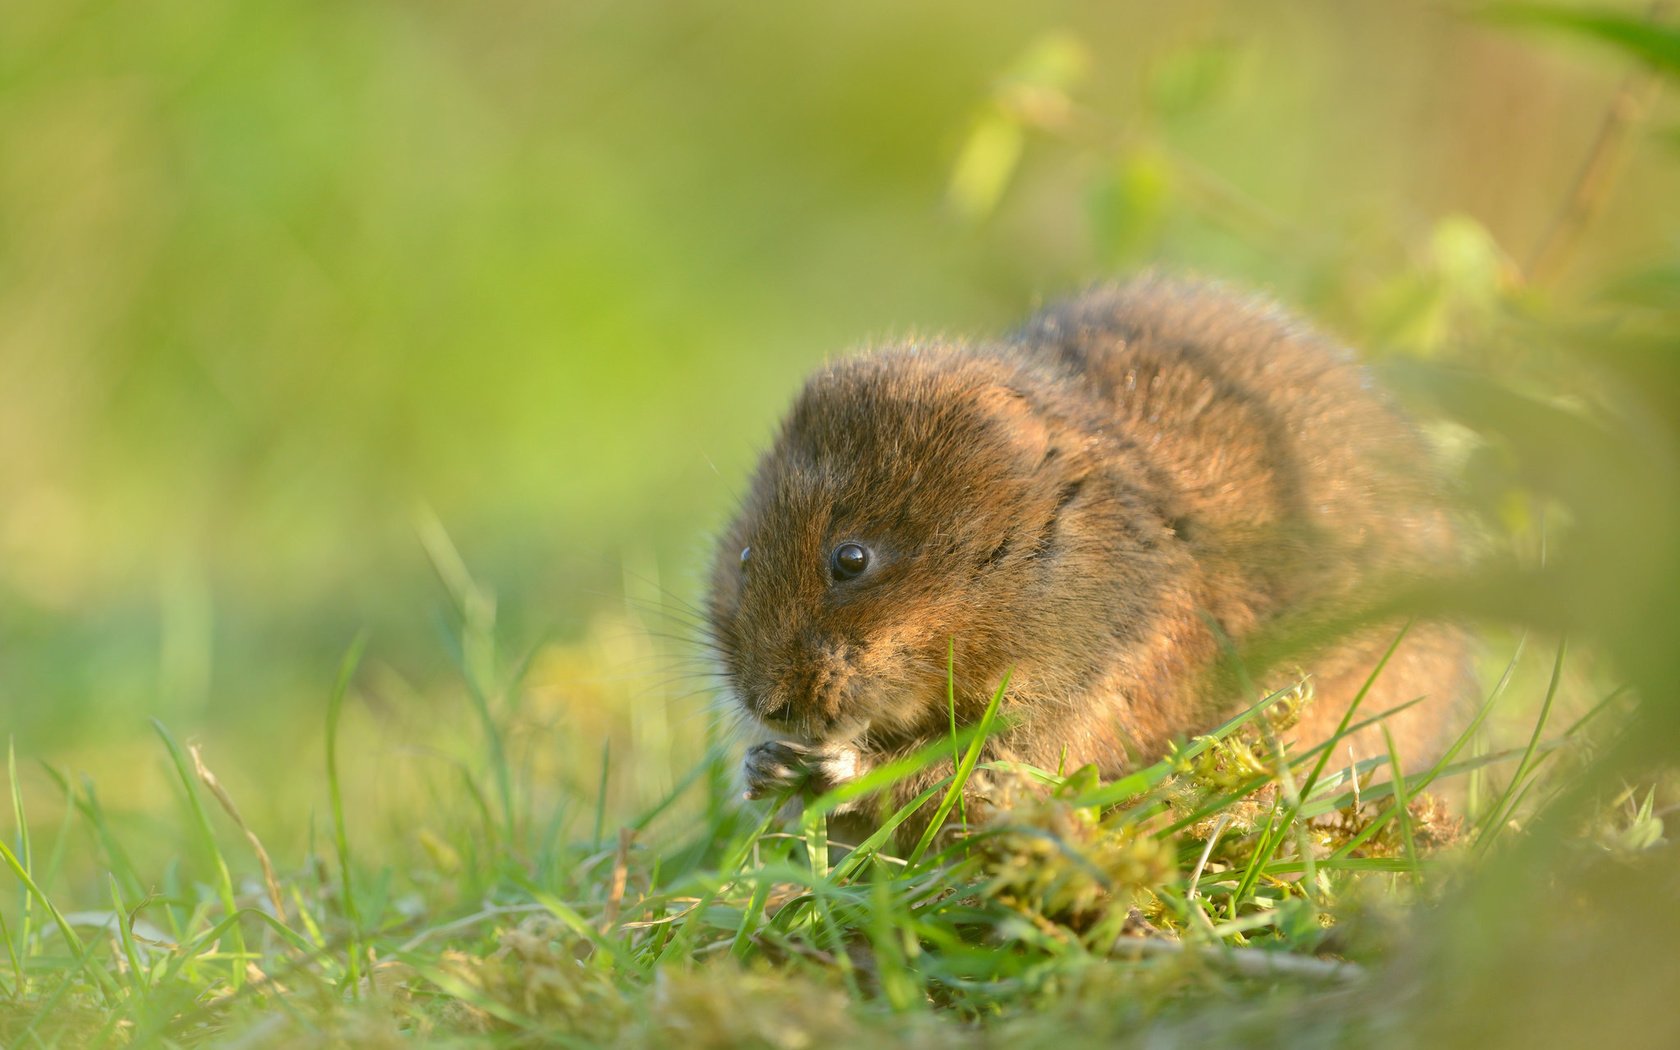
column 1080, row 503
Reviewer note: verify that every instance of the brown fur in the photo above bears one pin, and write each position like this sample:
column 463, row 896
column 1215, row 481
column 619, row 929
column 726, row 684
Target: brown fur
column 1076, row 504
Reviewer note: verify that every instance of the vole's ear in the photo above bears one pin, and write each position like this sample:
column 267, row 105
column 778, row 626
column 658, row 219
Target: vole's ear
column 1028, row 429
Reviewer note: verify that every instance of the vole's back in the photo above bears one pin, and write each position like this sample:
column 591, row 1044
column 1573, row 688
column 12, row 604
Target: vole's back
column 1249, row 418
column 1293, row 478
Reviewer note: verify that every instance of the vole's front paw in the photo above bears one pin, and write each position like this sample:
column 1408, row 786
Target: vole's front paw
column 781, row 765
column 774, row 767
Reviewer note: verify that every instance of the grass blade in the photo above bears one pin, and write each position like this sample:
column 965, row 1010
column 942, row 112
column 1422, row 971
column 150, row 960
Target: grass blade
column 207, row 838
column 1501, row 811
column 964, row 770
column 341, row 841
column 26, row 905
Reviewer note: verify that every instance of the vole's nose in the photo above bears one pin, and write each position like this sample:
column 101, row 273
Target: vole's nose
column 777, row 710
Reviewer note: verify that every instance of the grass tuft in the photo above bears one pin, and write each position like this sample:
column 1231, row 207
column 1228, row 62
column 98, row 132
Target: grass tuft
column 1231, row 869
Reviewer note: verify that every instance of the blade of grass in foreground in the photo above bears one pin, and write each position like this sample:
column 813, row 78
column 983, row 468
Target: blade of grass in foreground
column 1347, row 716
column 886, row 917
column 55, row 859
column 871, row 846
column 729, row 869
column 951, row 709
column 26, row 905
column 207, row 839
column 15, row 992
column 341, row 841
column 476, row 657
column 1501, row 811
column 813, row 827
column 125, row 934
column 601, row 795
column 29, row 886
column 751, row 919
column 33, row 892
column 1568, row 735
column 964, row 770
column 1397, row 780
column 1444, row 763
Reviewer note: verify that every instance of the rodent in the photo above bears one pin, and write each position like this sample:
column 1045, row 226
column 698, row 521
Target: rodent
column 1077, row 505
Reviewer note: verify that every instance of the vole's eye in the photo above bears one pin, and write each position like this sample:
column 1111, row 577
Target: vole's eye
column 848, row 560
column 746, row 555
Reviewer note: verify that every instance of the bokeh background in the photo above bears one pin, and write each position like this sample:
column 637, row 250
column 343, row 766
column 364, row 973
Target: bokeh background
column 309, row 311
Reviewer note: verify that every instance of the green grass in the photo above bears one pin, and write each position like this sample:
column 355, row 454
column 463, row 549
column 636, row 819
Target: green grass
column 1232, row 879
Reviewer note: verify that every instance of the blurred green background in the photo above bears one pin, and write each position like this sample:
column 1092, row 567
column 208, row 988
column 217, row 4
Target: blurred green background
column 278, row 282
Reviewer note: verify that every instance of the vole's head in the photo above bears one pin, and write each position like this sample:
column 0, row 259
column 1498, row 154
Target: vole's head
column 912, row 497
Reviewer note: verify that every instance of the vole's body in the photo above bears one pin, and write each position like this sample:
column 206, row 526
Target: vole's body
column 1080, row 504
